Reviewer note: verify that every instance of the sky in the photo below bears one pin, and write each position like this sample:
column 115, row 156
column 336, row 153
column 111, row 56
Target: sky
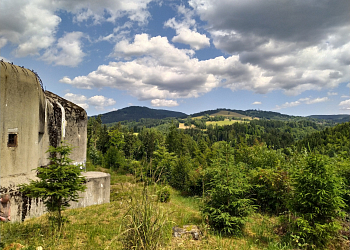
column 287, row 56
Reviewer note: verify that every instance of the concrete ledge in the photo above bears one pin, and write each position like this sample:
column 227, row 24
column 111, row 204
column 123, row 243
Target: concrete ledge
column 97, row 192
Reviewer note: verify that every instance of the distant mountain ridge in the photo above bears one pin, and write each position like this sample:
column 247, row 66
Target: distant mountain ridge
column 135, row 113
column 335, row 118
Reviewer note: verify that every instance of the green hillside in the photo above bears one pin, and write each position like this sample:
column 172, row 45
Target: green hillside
column 135, row 113
column 245, row 114
column 333, row 118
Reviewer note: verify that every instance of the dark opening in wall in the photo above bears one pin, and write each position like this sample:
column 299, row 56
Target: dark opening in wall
column 12, row 140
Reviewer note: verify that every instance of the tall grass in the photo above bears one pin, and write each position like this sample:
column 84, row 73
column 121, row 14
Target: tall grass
column 146, row 224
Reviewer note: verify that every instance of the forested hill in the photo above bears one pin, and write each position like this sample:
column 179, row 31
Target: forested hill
column 333, row 118
column 270, row 115
column 331, row 141
column 135, row 113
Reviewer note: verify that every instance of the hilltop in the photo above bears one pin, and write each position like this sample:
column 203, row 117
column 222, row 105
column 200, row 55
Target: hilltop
column 135, row 113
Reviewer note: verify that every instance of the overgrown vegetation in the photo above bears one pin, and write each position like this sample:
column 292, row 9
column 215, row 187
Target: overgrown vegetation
column 254, row 185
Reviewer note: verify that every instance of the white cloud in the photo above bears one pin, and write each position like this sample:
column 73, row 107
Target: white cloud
column 345, row 96
column 97, row 101
column 317, row 100
column 345, row 104
column 194, row 39
column 186, row 31
column 164, row 103
column 67, row 51
column 158, row 70
column 100, row 101
column 32, row 25
column 298, row 51
column 256, row 103
column 78, row 99
column 3, row 42
column 306, row 100
column 28, row 24
column 288, row 105
column 332, row 93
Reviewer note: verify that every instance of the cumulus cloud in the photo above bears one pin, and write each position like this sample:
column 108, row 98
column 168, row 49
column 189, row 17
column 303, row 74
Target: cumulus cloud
column 67, row 51
column 332, row 93
column 163, row 103
column 158, row 70
column 100, row 101
column 256, row 103
column 345, row 104
column 97, row 101
column 186, row 31
column 193, row 38
column 298, row 51
column 306, row 100
column 32, row 25
column 78, row 99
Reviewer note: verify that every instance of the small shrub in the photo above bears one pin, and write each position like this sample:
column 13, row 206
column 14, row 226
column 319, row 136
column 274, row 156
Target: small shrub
column 227, row 203
column 317, row 202
column 270, row 188
column 163, row 194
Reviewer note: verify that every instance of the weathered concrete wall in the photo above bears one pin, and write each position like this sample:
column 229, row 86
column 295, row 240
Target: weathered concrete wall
column 72, row 126
column 21, row 98
column 97, row 192
column 31, row 120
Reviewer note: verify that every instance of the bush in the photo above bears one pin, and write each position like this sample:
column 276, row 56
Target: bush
column 227, row 204
column 317, row 202
column 114, row 158
column 163, row 194
column 270, row 188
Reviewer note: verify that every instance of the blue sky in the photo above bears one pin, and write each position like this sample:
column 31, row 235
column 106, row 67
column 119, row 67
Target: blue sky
column 291, row 56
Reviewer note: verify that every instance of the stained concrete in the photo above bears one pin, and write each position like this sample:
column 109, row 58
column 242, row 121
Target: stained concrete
column 38, row 119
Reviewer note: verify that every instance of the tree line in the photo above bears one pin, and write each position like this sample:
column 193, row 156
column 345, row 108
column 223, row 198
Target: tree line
column 287, row 168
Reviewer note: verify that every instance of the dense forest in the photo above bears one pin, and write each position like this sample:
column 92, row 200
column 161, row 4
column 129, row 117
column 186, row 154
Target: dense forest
column 297, row 169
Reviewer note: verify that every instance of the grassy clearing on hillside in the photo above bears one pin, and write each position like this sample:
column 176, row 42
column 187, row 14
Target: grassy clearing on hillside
column 101, row 226
column 225, row 122
column 230, row 114
column 219, row 123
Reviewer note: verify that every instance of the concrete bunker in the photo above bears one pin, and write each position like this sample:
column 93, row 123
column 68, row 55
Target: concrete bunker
column 31, row 120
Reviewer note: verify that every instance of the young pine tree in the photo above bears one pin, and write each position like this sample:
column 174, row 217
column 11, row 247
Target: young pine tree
column 58, row 183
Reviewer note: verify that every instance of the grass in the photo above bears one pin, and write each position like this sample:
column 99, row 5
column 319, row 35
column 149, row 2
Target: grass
column 101, row 226
column 225, row 122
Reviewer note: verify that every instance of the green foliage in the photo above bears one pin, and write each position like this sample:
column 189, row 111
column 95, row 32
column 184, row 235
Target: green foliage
column 58, row 184
column 331, row 141
column 163, row 194
column 180, row 173
column 259, row 156
column 146, row 226
column 227, row 204
column 114, row 158
column 95, row 156
column 162, row 164
column 317, row 202
column 150, row 140
column 270, row 188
